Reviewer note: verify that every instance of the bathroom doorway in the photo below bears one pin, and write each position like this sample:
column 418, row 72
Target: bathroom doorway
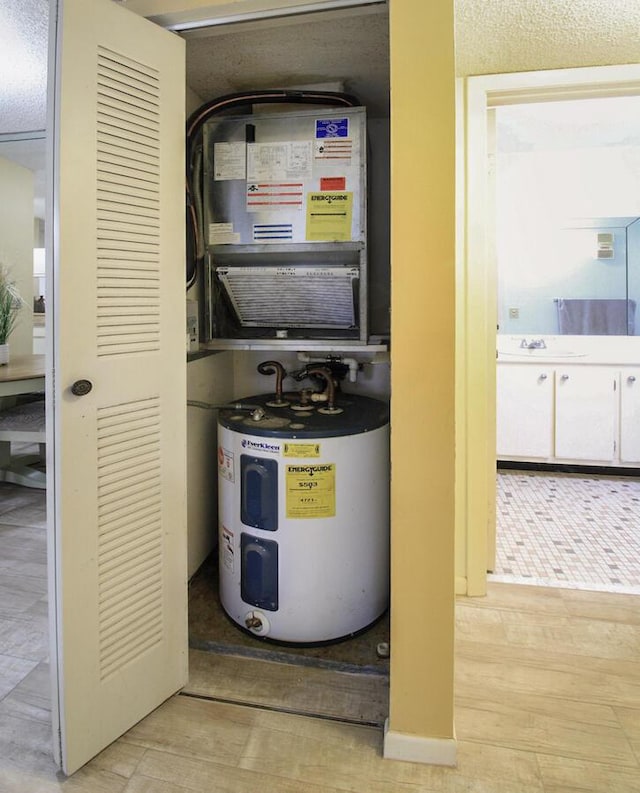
column 478, row 286
column 567, row 248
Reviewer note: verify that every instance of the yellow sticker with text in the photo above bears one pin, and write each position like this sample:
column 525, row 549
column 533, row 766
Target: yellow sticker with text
column 311, row 490
column 301, row 449
column 329, row 216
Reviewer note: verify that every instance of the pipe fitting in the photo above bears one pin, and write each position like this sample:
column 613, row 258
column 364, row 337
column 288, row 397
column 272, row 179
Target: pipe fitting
column 271, row 367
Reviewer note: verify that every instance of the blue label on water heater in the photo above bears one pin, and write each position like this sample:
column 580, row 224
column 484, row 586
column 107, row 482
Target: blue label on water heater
column 332, row 128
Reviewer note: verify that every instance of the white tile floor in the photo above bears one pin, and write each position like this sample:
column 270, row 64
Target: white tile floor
column 568, row 530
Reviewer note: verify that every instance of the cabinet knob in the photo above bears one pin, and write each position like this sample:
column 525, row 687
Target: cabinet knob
column 543, row 377
column 631, row 378
column 564, row 377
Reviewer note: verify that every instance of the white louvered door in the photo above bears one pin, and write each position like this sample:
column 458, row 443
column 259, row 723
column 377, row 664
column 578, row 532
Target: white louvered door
column 117, row 486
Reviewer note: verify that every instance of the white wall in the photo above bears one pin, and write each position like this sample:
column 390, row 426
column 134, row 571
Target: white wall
column 209, row 379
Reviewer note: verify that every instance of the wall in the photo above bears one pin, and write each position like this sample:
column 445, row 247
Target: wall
column 422, row 375
column 209, row 379
column 16, row 245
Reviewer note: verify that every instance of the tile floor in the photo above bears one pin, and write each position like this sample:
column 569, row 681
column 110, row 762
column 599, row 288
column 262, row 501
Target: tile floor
column 568, row 530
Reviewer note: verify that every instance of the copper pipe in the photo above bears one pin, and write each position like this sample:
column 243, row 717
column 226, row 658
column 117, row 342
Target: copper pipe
column 271, row 367
column 330, row 390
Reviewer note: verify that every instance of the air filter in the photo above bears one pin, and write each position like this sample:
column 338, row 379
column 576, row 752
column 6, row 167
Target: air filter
column 292, row 297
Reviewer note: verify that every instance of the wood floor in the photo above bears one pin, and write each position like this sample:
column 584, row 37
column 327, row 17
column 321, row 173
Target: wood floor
column 548, row 700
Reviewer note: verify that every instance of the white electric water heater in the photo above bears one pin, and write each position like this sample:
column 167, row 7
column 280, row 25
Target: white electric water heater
column 304, row 517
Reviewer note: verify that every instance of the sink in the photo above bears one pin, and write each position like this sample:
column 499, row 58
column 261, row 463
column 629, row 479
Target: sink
column 542, row 352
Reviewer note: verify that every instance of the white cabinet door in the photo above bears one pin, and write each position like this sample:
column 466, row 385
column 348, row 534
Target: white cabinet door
column 117, row 490
column 630, row 416
column 524, row 411
column 586, row 413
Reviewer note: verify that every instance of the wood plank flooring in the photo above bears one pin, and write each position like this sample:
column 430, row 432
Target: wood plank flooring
column 547, row 701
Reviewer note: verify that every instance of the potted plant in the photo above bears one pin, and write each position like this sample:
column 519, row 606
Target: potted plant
column 10, row 305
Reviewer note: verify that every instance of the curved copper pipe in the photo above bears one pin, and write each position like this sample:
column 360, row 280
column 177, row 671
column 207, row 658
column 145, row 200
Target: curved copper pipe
column 271, row 367
column 325, row 374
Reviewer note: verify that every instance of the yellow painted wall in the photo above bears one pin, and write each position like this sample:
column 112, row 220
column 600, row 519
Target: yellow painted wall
column 16, row 245
column 422, row 373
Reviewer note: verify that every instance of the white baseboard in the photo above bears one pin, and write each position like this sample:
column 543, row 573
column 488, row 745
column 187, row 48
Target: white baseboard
column 416, row 749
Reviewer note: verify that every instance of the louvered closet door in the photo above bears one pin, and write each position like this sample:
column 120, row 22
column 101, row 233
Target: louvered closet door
column 117, row 491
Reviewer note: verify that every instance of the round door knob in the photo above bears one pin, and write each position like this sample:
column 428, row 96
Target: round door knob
column 81, row 387
column 631, row 378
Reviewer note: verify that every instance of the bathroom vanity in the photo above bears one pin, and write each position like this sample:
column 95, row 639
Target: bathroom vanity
column 562, row 405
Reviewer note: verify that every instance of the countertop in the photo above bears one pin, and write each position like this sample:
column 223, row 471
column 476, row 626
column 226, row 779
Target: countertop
column 571, row 350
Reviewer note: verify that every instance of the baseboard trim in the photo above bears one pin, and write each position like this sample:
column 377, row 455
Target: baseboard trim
column 461, row 585
column 416, row 749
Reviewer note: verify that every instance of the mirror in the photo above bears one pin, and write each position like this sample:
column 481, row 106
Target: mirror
column 584, row 280
column 567, row 207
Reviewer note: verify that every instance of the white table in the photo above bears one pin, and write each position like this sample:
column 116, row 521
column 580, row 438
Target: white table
column 22, row 375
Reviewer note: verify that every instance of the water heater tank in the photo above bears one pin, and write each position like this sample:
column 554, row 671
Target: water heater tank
column 304, row 517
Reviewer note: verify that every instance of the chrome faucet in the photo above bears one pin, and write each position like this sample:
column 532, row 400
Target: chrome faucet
column 534, row 344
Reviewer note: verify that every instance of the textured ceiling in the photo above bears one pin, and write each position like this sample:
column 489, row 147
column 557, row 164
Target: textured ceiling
column 23, row 64
column 350, row 47
column 494, row 36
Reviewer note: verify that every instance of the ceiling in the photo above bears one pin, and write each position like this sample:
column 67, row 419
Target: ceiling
column 349, row 47
column 23, row 65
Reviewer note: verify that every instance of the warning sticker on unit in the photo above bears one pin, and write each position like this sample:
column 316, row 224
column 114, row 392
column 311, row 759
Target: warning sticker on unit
column 275, row 162
column 273, row 196
column 329, row 216
column 222, row 234
column 229, row 161
column 311, row 490
column 333, row 183
column 267, row 232
column 301, row 450
column 227, row 552
column 332, row 127
column 225, row 464
column 333, row 149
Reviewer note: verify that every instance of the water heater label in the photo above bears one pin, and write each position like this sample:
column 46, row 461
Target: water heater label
column 227, row 552
column 311, row 490
column 260, row 446
column 301, row 450
column 225, row 464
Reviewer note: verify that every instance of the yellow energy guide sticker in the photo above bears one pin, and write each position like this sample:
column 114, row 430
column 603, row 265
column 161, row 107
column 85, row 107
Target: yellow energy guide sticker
column 329, row 216
column 311, row 490
column 301, row 449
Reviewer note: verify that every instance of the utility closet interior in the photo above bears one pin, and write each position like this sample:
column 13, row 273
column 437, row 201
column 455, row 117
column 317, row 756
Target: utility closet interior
column 288, row 292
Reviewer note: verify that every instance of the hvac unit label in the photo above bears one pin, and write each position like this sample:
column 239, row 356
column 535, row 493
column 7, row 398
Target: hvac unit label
column 311, row 490
column 332, row 128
